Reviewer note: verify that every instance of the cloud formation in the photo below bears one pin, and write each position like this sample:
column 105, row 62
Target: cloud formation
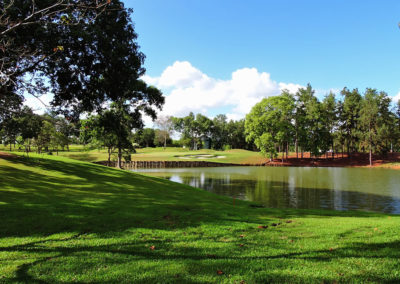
column 396, row 98
column 188, row 89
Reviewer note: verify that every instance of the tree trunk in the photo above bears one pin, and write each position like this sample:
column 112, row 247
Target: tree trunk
column 348, row 149
column 165, row 141
column 287, row 150
column 109, row 157
column 370, row 155
column 119, row 157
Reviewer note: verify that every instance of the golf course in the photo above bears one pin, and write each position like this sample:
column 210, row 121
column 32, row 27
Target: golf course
column 69, row 221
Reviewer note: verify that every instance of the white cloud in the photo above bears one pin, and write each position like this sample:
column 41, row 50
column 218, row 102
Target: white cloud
column 396, row 98
column 188, row 89
column 38, row 105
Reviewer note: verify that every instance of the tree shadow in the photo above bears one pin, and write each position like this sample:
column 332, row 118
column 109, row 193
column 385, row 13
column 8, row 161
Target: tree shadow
column 42, row 197
column 199, row 263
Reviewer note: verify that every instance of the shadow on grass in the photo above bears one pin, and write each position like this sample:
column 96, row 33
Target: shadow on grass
column 74, row 196
column 40, row 197
column 198, row 262
column 49, row 196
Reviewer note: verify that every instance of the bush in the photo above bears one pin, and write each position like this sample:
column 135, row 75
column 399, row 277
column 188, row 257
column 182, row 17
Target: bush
column 227, row 147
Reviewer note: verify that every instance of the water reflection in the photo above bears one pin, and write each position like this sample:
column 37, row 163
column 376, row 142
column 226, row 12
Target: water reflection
column 311, row 188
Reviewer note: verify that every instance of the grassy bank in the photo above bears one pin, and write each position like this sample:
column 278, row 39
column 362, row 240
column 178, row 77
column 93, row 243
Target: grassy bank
column 69, row 221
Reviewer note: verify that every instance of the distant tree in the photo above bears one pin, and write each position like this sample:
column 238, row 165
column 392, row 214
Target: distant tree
column 193, row 128
column 317, row 128
column 30, row 125
column 145, row 137
column 46, row 137
column 350, row 117
column 302, row 98
column 236, row 137
column 166, row 127
column 269, row 124
column 161, row 138
column 369, row 120
column 219, row 133
column 114, row 128
column 330, row 115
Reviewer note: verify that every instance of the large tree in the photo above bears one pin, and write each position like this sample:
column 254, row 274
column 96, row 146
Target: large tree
column 269, row 124
column 31, row 35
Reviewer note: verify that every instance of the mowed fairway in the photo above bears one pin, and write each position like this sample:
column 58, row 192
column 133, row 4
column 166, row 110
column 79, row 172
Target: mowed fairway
column 66, row 221
column 236, row 156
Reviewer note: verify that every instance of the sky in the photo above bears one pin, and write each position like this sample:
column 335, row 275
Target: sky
column 223, row 56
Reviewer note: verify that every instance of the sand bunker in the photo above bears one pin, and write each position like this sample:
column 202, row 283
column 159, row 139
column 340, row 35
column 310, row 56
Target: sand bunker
column 201, row 156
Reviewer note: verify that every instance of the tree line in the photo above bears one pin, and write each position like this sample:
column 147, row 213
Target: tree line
column 286, row 123
column 301, row 123
column 41, row 133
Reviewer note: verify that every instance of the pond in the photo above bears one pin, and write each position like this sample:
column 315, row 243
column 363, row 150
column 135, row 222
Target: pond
column 289, row 187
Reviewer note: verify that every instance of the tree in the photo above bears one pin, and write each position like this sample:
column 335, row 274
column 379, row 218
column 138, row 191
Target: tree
column 220, row 134
column 303, row 97
column 369, row 120
column 193, row 128
column 317, row 129
column 102, row 53
column 30, row 37
column 236, row 136
column 145, row 137
column 161, row 138
column 45, row 137
column 166, row 126
column 329, row 111
column 30, row 125
column 269, row 124
column 350, row 117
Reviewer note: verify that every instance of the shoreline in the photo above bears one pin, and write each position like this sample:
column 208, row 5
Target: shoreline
column 355, row 161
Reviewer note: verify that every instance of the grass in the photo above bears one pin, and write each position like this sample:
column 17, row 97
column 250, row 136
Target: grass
column 236, row 156
column 67, row 221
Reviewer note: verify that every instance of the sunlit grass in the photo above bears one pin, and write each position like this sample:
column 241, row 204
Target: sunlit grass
column 239, row 156
column 68, row 221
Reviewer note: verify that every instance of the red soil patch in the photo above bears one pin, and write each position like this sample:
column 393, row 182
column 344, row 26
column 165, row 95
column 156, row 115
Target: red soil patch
column 355, row 160
column 4, row 155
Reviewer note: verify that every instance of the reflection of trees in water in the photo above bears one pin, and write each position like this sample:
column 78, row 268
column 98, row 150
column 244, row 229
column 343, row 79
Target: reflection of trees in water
column 291, row 190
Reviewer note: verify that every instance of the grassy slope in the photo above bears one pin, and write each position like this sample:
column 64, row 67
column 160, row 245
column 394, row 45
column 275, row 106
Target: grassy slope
column 68, row 221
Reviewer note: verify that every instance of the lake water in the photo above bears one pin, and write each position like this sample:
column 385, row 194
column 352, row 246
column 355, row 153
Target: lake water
column 289, row 187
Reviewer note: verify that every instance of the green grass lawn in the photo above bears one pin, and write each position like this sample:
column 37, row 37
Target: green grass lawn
column 236, row 156
column 67, row 221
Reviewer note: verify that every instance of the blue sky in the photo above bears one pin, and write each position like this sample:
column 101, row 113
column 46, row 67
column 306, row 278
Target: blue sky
column 328, row 43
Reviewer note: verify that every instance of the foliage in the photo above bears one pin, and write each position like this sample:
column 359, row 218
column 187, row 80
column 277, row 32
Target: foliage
column 193, row 128
column 269, row 123
column 145, row 137
column 166, row 127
